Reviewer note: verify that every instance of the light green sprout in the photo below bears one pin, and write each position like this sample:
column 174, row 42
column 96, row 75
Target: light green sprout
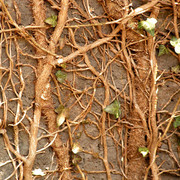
column 143, row 150
column 61, row 76
column 176, row 44
column 52, row 20
column 148, row 25
column 63, row 113
column 176, row 122
column 162, row 50
column 114, row 109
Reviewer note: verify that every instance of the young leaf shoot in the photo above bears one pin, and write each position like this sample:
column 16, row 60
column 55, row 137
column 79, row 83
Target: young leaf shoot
column 148, row 25
column 61, row 76
column 162, row 50
column 63, row 113
column 143, row 150
column 176, row 44
column 52, row 20
column 176, row 69
column 114, row 109
column 76, row 159
column 176, row 122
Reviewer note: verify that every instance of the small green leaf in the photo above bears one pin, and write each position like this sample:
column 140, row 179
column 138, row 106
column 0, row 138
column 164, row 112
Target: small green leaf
column 176, row 44
column 76, row 159
column 174, row 41
column 176, row 69
column 150, row 31
column 143, row 150
column 63, row 65
column 114, row 109
column 61, row 76
column 140, row 26
column 63, row 113
column 177, row 48
column 148, row 25
column 61, row 118
column 176, row 122
column 52, row 20
column 59, row 109
column 162, row 50
column 76, row 148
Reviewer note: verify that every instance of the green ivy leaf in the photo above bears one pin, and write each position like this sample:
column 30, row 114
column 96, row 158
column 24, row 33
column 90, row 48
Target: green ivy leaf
column 61, row 76
column 176, row 123
column 176, row 44
column 63, row 113
column 177, row 48
column 76, row 159
column 176, row 69
column 143, row 150
column 162, row 50
column 148, row 25
column 174, row 41
column 63, row 65
column 114, row 109
column 151, row 31
column 52, row 20
column 59, row 109
column 140, row 26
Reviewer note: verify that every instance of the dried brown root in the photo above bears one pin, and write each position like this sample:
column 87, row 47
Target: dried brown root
column 140, row 83
column 42, row 87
